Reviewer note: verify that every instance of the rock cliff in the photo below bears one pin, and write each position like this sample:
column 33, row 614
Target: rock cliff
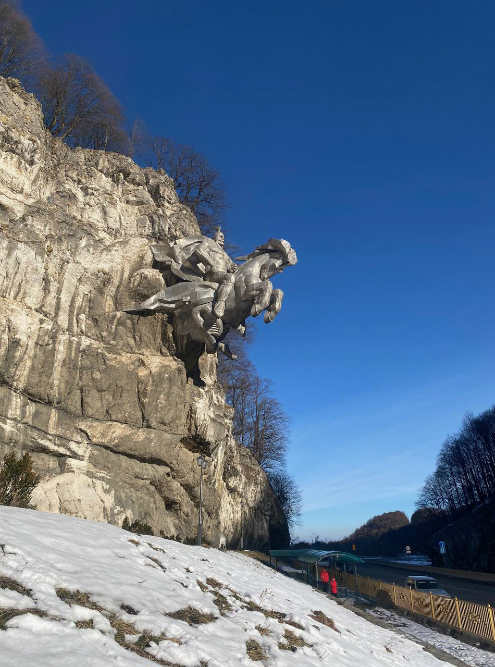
column 97, row 396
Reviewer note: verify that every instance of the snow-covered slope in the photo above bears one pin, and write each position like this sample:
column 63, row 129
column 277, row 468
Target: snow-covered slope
column 77, row 593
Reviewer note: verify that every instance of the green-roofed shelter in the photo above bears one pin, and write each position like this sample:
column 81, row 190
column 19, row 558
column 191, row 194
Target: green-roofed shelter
column 314, row 555
column 308, row 557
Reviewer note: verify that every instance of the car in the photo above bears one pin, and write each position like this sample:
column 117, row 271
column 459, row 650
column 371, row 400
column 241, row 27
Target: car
column 426, row 585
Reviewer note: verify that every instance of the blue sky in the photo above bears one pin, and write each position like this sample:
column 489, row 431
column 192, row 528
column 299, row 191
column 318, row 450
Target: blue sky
column 362, row 132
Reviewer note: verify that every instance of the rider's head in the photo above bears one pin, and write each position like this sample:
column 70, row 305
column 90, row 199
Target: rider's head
column 219, row 237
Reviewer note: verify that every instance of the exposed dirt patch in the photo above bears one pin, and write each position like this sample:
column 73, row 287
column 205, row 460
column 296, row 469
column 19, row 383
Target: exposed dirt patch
column 128, row 609
column 85, row 624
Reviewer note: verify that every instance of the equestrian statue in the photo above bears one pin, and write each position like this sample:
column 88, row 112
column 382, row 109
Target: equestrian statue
column 212, row 294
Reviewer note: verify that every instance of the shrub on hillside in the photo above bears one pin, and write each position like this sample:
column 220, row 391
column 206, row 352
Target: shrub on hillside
column 138, row 527
column 17, row 480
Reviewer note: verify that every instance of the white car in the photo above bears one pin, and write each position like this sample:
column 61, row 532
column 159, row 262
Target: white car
column 426, row 585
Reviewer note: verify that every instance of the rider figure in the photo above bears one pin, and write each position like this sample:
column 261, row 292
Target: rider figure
column 225, row 280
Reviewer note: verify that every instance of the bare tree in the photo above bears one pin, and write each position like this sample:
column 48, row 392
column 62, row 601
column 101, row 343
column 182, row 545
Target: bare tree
column 260, row 422
column 198, row 185
column 21, row 50
column 289, row 495
column 78, row 106
column 138, row 140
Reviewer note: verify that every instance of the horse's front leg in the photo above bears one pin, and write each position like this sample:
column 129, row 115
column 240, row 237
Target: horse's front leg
column 275, row 305
column 263, row 296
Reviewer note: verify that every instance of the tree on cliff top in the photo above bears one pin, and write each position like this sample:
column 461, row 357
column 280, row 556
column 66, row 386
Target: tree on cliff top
column 78, row 105
column 21, row 50
column 198, row 185
column 17, row 480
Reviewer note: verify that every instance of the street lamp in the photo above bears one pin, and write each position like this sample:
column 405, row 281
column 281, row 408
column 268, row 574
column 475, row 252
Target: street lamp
column 202, row 463
column 242, row 525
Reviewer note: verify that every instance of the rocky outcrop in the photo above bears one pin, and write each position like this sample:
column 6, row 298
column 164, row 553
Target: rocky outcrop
column 97, row 396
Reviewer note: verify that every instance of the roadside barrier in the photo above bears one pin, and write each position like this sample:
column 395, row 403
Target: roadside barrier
column 476, row 619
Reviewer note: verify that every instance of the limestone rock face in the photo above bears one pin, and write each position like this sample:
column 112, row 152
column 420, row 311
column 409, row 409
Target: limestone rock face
column 97, row 396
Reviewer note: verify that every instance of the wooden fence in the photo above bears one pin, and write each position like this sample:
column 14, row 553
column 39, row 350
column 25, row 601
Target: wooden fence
column 477, row 619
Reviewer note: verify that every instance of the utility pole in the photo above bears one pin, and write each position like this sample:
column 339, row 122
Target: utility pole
column 242, row 525
column 202, row 463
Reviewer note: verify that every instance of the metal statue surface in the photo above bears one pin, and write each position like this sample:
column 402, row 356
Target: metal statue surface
column 214, row 294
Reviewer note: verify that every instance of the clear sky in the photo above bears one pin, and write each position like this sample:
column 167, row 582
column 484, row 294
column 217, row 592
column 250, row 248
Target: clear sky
column 363, row 132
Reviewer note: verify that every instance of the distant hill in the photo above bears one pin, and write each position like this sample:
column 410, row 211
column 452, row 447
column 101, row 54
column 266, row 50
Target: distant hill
column 379, row 525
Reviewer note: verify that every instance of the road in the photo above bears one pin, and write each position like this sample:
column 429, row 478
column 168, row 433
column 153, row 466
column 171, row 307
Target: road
column 464, row 590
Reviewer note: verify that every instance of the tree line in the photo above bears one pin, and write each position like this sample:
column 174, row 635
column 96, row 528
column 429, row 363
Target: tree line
column 464, row 476
column 260, row 422
column 80, row 109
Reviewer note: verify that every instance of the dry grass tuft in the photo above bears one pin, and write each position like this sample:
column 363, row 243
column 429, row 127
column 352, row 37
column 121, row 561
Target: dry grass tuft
column 203, row 586
column 214, row 583
column 252, row 606
column 254, row 650
column 192, row 616
column 145, row 640
column 11, row 584
column 85, row 624
column 292, row 642
column 134, row 542
column 77, row 597
column 157, row 562
column 139, row 647
column 221, row 602
column 294, row 624
column 152, row 546
column 323, row 618
column 263, row 630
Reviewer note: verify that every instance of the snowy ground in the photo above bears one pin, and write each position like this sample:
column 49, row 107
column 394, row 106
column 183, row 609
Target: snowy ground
column 470, row 655
column 77, row 593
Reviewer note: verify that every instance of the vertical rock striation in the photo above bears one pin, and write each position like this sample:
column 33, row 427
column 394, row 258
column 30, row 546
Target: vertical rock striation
column 97, row 396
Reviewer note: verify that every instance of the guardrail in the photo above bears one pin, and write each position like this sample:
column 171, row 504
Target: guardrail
column 477, row 619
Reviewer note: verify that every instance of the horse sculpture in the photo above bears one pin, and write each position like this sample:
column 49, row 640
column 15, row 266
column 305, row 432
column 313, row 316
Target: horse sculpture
column 215, row 295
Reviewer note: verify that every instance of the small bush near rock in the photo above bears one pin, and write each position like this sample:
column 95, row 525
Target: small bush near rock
column 17, row 480
column 138, row 527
